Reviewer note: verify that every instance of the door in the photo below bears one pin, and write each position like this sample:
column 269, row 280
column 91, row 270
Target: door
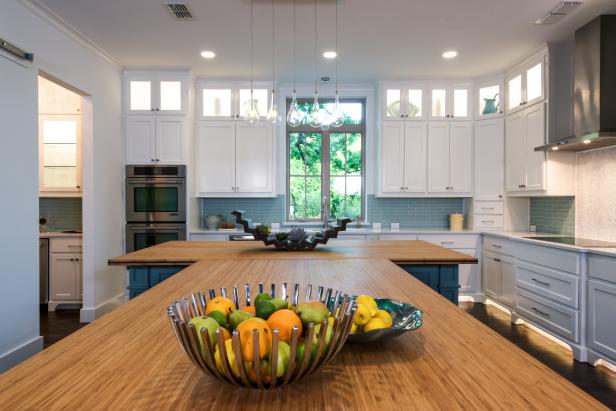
column 534, row 87
column 169, row 139
column 534, row 130
column 254, row 165
column 139, row 92
column 78, row 277
column 392, row 157
column 602, row 306
column 460, row 103
column 515, row 92
column 62, row 286
column 492, row 274
column 439, row 103
column 415, row 147
column 507, row 281
column 215, row 157
column 461, row 157
column 171, row 93
column 514, row 152
column 140, row 132
column 489, row 159
column 438, row 157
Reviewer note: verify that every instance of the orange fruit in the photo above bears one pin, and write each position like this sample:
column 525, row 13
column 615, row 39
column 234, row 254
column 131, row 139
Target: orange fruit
column 265, row 337
column 222, row 304
column 249, row 309
column 284, row 320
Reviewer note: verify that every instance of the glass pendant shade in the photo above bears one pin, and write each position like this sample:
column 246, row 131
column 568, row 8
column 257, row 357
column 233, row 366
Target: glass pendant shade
column 314, row 115
column 337, row 116
column 273, row 117
column 251, row 112
column 294, row 116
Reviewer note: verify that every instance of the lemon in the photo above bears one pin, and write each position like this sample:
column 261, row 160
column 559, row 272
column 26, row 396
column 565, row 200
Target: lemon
column 375, row 324
column 362, row 315
column 385, row 316
column 353, row 328
column 369, row 301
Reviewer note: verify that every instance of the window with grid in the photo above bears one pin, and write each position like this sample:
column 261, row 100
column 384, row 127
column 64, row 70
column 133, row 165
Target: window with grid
column 325, row 168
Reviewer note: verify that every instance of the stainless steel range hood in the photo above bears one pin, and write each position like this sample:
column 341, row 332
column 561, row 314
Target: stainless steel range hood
column 594, row 88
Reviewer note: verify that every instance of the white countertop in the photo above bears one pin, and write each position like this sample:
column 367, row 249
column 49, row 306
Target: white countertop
column 519, row 236
column 351, row 231
column 50, row 234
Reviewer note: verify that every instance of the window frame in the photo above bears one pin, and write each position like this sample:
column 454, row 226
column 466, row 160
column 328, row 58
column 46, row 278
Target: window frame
column 325, row 156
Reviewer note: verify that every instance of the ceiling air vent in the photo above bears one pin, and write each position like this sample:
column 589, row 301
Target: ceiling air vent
column 179, row 10
column 559, row 12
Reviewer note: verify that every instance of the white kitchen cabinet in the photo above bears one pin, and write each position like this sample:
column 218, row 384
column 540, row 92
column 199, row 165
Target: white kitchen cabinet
column 162, row 92
column 450, row 147
column 234, row 159
column 65, row 272
column 403, row 158
column 499, row 277
column 227, row 101
column 602, row 306
column 490, row 99
column 489, row 159
column 526, row 83
column 153, row 139
column 403, row 101
column 450, row 101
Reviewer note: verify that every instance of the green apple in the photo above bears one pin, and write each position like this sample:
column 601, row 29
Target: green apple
column 210, row 324
column 261, row 297
column 299, row 354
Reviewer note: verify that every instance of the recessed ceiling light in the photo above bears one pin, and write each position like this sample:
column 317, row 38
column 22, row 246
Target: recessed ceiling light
column 206, row 54
column 330, row 54
column 450, row 54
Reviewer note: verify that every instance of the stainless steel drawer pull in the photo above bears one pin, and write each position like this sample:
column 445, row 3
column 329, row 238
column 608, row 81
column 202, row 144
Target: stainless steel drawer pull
column 540, row 282
column 497, row 246
column 447, row 242
column 487, row 221
column 73, row 245
column 487, row 208
column 538, row 311
column 497, row 260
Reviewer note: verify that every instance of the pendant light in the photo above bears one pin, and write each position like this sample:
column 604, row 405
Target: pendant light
column 251, row 114
column 272, row 115
column 337, row 116
column 314, row 114
column 294, row 116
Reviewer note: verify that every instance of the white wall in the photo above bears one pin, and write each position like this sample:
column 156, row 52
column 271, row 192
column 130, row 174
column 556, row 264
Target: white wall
column 595, row 200
column 69, row 59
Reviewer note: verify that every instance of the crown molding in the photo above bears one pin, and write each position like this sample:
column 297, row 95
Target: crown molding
column 55, row 20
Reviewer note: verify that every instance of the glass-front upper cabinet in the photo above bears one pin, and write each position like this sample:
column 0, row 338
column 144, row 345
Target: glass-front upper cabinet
column 526, row 83
column 60, row 154
column 450, row 102
column 260, row 97
column 161, row 92
column 230, row 101
column 217, row 102
column 404, row 101
column 489, row 94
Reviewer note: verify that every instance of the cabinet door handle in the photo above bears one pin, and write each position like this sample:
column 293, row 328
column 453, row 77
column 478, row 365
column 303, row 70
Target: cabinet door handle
column 232, row 188
column 497, row 260
column 497, row 246
column 487, row 221
column 538, row 311
column 487, row 208
column 540, row 282
column 237, row 189
column 406, row 188
column 64, row 259
column 447, row 242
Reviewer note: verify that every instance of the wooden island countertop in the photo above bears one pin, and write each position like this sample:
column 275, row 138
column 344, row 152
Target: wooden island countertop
column 398, row 251
column 129, row 359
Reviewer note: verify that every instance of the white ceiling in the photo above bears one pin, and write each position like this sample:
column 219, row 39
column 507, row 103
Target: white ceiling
column 379, row 40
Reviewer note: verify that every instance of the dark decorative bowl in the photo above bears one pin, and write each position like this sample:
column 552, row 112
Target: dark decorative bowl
column 294, row 240
column 405, row 318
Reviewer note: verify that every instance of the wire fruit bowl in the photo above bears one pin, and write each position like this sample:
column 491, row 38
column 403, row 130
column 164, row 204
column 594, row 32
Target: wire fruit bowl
column 317, row 350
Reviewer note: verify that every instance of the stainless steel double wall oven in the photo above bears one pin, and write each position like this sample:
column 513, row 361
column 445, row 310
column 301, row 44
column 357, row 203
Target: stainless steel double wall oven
column 155, row 205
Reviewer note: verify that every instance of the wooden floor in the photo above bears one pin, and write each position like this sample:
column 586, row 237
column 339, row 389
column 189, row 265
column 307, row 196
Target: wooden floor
column 58, row 324
column 599, row 382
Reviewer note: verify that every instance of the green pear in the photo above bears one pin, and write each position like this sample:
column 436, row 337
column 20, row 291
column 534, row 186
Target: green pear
column 284, row 355
column 236, row 317
column 312, row 312
column 280, row 304
column 210, row 324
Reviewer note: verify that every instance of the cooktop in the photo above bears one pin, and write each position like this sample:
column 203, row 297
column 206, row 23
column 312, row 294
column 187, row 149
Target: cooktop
column 579, row 242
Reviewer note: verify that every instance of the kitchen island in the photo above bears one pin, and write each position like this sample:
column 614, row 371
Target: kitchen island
column 129, row 359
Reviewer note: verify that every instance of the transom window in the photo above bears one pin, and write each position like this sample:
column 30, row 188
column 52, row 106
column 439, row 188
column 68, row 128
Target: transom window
column 325, row 168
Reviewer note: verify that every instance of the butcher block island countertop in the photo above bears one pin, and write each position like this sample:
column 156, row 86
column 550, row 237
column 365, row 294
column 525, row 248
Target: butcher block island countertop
column 399, row 251
column 129, row 359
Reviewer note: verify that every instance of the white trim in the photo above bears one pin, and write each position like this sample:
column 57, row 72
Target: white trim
column 87, row 315
column 20, row 353
column 55, row 20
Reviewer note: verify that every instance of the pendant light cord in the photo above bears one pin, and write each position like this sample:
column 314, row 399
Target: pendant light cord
column 251, row 50
column 315, row 46
column 337, row 52
column 274, row 46
column 294, row 58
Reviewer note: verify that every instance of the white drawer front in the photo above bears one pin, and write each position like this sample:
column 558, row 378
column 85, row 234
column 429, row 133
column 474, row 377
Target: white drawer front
column 65, row 245
column 489, row 221
column 498, row 245
column 562, row 260
column 557, row 286
column 451, row 240
column 561, row 320
column 602, row 268
column 488, row 207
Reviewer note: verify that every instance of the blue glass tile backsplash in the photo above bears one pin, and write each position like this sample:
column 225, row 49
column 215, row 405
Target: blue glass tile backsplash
column 553, row 214
column 421, row 213
column 61, row 213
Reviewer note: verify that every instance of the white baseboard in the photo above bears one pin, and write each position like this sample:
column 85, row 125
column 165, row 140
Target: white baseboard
column 21, row 353
column 89, row 314
column 472, row 297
